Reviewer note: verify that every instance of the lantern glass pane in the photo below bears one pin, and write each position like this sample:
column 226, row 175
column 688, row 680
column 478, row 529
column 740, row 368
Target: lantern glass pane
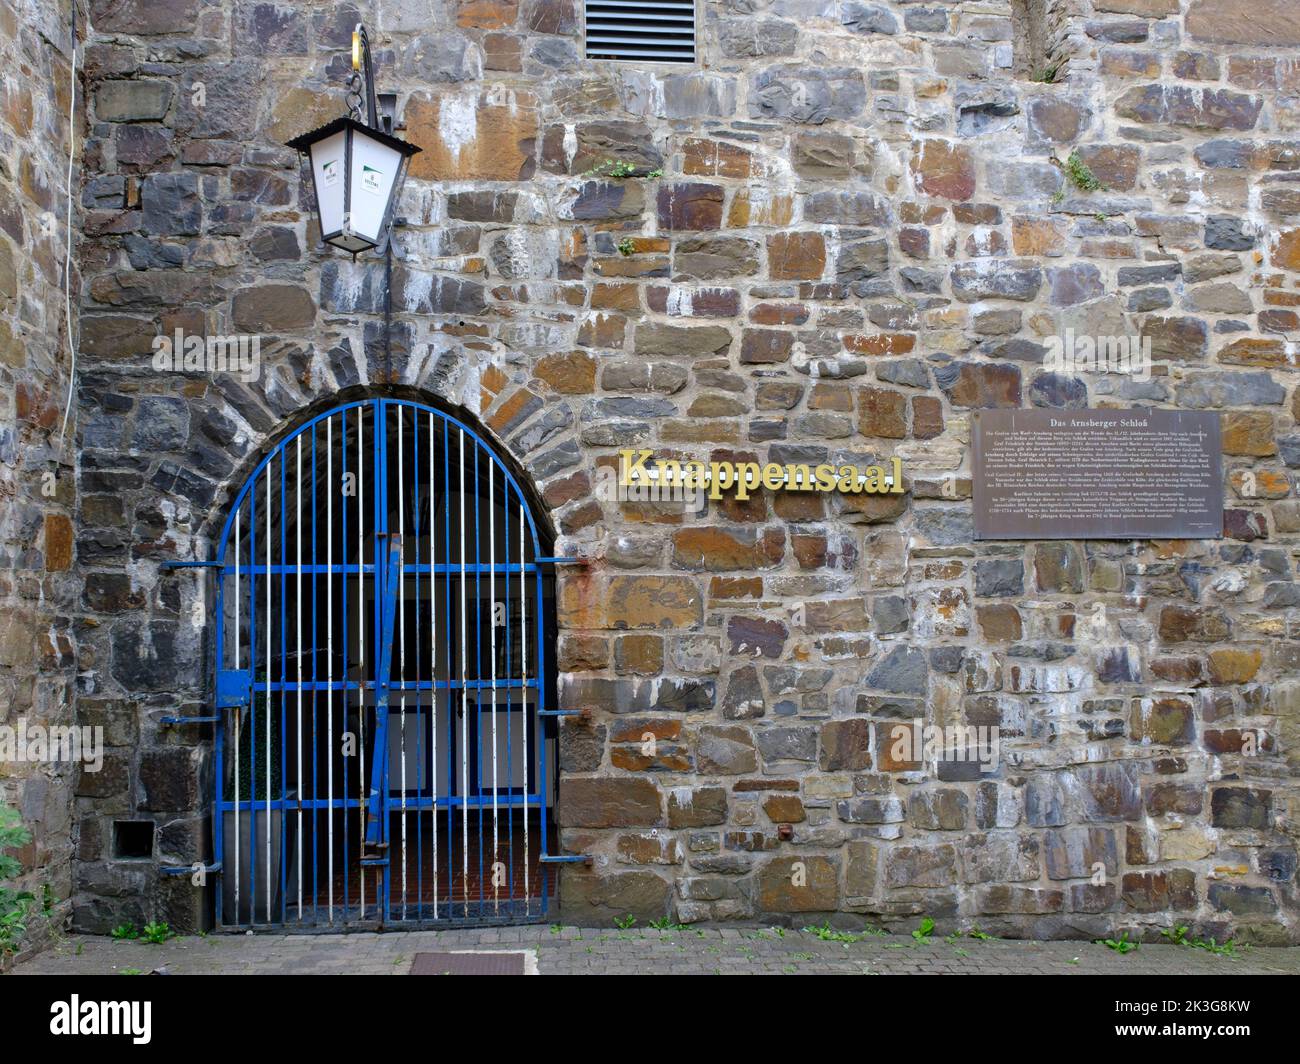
column 328, row 170
column 375, row 167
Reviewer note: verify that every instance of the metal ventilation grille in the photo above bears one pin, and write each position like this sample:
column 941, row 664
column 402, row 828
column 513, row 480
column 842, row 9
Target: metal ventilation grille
column 634, row 29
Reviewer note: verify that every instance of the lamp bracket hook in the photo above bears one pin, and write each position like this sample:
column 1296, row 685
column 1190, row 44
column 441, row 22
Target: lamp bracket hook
column 363, row 71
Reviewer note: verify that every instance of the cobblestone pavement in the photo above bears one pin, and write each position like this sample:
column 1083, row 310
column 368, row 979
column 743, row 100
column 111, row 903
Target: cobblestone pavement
column 606, row 951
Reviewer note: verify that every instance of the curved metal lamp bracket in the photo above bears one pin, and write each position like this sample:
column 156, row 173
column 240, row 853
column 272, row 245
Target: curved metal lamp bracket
column 362, row 70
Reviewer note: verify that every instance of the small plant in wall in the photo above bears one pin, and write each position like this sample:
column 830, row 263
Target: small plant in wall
column 15, row 905
column 622, row 170
column 1078, row 173
column 627, row 246
column 1046, row 75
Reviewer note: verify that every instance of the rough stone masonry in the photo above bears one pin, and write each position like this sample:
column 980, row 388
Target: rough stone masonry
column 40, row 589
column 848, row 227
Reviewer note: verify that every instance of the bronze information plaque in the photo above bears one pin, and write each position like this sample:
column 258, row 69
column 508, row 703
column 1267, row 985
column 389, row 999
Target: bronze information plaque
column 1097, row 474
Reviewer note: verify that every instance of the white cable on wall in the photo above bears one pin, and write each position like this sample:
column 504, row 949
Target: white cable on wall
column 67, row 260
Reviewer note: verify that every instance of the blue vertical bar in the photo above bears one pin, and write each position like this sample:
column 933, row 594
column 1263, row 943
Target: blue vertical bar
column 315, row 678
column 343, row 580
column 444, row 867
column 219, row 747
column 419, row 716
column 478, row 675
column 451, row 706
column 284, row 672
column 383, row 692
column 378, row 756
column 381, row 438
column 252, row 705
column 510, row 720
column 540, row 730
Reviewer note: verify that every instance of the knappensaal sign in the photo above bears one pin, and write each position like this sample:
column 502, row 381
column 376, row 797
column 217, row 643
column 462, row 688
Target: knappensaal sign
column 640, row 469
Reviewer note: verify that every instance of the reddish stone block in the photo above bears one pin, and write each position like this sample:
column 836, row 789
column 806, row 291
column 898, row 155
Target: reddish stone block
column 796, row 256
column 882, row 413
column 690, row 206
column 944, row 169
column 927, row 417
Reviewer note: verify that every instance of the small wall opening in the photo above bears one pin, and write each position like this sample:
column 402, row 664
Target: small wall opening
column 1040, row 39
column 132, row 839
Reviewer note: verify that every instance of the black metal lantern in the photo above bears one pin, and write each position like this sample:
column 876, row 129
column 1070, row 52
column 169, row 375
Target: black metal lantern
column 357, row 168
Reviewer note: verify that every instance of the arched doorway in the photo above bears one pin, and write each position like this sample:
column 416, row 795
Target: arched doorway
column 384, row 655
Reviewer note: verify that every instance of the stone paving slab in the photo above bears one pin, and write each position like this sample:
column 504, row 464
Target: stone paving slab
column 606, row 951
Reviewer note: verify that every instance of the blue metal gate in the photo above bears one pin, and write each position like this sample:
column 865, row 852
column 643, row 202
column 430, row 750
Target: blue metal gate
column 382, row 654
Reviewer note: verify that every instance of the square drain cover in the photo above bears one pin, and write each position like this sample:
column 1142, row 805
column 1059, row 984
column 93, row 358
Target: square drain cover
column 468, row 964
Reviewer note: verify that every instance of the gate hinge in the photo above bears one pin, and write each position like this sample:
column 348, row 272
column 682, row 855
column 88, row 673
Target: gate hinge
column 188, row 720
column 555, row 560
column 577, row 858
column 191, row 565
column 559, row 713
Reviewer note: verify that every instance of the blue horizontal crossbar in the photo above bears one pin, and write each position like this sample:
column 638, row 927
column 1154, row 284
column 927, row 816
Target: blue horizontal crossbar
column 307, row 686
column 362, row 569
column 413, row 803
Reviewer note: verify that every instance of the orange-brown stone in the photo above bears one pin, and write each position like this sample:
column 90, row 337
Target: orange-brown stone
column 58, row 542
column 715, row 158
column 573, row 373
column 1249, row 432
column 784, row 809
column 486, row 14
column 796, row 256
column 1230, row 665
column 640, row 655
column 654, row 602
column 466, row 137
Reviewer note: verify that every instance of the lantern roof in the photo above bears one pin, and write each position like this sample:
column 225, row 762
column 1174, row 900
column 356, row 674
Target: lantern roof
column 306, row 140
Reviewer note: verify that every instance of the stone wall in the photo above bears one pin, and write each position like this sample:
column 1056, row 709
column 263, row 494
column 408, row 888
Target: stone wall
column 846, row 230
column 38, row 583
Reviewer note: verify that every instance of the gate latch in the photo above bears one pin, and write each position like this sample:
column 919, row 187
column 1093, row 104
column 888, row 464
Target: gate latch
column 233, row 687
